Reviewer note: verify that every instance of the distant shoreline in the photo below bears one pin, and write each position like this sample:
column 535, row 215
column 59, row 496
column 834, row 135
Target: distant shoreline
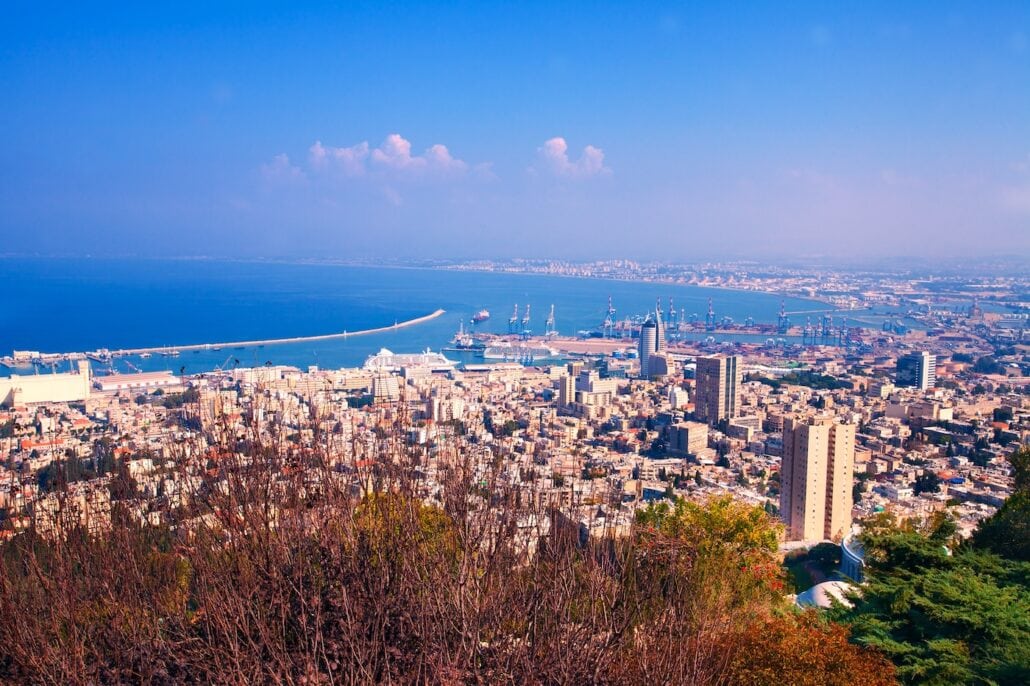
column 460, row 268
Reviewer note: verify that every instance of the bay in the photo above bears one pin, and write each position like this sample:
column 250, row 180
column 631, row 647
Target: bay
column 81, row 304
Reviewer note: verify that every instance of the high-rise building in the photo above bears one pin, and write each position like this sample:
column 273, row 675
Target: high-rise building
column 917, row 370
column 816, row 478
column 652, row 340
column 646, row 346
column 718, row 387
column 566, row 391
column 660, row 365
column 660, row 343
column 590, row 381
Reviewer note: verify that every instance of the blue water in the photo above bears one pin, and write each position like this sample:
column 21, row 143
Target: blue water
column 63, row 305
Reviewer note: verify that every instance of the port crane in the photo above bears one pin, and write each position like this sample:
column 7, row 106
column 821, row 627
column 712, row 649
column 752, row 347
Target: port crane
column 782, row 320
column 808, row 333
column 525, row 322
column 513, row 321
column 710, row 317
column 827, row 328
column 235, row 363
column 549, row 325
column 608, row 328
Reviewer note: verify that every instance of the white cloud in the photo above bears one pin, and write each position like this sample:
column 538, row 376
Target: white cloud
column 395, row 154
column 389, row 169
column 554, row 157
column 351, row 161
column 391, row 159
column 280, row 170
column 439, row 157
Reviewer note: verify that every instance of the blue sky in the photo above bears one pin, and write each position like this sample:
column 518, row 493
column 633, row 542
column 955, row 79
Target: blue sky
column 640, row 130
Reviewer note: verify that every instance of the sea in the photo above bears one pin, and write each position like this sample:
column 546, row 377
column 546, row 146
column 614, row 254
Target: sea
column 76, row 305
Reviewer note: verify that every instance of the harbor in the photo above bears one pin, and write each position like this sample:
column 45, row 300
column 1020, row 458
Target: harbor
column 252, row 313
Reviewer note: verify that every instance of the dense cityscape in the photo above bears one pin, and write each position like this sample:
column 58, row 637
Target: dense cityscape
column 824, row 427
column 516, row 343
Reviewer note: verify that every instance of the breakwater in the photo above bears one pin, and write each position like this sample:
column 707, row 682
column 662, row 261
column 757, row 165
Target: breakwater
column 279, row 341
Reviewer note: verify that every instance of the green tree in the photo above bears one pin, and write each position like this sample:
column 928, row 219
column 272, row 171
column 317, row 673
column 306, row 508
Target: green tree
column 943, row 617
column 826, row 556
column 1007, row 532
column 725, row 535
column 927, row 482
column 988, row 365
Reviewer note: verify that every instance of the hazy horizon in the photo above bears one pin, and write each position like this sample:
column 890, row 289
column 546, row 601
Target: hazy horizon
column 651, row 131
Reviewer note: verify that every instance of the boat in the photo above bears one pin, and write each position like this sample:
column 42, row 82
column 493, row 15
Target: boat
column 481, row 316
column 101, row 355
column 464, row 341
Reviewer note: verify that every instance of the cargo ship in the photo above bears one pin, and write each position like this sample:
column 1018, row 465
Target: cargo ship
column 481, row 316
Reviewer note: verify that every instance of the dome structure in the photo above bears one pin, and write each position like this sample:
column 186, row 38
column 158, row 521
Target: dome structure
column 824, row 594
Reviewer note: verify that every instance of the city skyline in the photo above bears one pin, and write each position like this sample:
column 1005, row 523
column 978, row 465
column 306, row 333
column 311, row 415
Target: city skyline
column 530, row 342
column 443, row 132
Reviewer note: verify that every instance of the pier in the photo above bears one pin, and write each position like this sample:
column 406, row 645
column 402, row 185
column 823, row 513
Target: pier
column 280, row 341
column 52, row 358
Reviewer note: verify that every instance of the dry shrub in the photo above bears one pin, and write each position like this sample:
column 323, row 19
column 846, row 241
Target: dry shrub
column 282, row 570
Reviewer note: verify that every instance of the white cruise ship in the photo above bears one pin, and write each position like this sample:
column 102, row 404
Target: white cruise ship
column 389, row 361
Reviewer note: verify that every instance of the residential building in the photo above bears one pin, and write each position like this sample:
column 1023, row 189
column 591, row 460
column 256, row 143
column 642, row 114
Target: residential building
column 917, row 370
column 816, row 477
column 718, row 388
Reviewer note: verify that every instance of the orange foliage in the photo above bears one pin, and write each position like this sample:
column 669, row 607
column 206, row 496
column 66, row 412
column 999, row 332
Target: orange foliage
column 804, row 651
